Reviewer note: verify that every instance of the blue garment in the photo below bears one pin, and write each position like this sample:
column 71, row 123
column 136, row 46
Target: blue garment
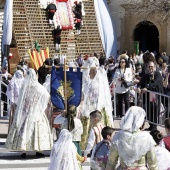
column 5, row 62
column 102, row 149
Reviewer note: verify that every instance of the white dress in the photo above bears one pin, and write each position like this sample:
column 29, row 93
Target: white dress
column 163, row 157
column 30, row 130
column 96, row 91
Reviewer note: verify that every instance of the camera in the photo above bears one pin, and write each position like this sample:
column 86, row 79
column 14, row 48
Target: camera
column 122, row 79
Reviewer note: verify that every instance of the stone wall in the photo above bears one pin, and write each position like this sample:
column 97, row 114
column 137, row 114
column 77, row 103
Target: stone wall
column 124, row 26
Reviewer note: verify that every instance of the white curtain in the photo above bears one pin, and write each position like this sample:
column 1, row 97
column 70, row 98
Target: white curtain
column 7, row 24
column 105, row 27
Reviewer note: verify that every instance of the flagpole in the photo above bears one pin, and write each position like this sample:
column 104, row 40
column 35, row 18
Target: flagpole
column 65, row 84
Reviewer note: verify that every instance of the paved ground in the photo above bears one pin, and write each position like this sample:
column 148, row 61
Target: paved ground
column 10, row 160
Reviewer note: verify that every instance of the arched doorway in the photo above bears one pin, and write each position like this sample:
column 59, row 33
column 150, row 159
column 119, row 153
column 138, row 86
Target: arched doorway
column 147, row 34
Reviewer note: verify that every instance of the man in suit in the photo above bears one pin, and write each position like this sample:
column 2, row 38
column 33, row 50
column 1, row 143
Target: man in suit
column 151, row 81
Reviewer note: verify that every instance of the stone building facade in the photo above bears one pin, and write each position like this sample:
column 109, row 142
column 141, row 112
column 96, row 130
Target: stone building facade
column 129, row 27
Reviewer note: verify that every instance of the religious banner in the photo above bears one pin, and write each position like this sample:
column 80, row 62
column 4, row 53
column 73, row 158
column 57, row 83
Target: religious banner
column 73, row 84
column 38, row 58
column 64, row 14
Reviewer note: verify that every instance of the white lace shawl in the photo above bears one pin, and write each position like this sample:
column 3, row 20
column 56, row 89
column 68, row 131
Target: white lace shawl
column 163, row 157
column 96, row 91
column 63, row 153
column 130, row 142
column 133, row 119
column 14, row 86
column 32, row 102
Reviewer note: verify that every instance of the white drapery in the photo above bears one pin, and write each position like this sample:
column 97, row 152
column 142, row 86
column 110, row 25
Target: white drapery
column 7, row 24
column 105, row 26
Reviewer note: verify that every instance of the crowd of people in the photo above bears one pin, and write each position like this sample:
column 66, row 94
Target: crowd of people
column 90, row 127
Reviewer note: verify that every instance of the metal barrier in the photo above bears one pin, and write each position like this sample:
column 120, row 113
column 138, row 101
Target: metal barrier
column 4, row 102
column 155, row 104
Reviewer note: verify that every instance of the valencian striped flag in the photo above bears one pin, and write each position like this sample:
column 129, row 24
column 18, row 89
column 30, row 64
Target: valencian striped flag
column 38, row 58
column 74, row 87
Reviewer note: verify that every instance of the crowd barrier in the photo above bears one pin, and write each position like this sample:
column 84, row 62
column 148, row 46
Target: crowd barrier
column 2, row 111
column 155, row 104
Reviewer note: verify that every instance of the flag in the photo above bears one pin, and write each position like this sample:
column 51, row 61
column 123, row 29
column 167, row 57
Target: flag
column 38, row 58
column 7, row 25
column 74, row 87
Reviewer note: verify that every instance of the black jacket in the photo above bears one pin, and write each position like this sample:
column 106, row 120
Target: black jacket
column 152, row 82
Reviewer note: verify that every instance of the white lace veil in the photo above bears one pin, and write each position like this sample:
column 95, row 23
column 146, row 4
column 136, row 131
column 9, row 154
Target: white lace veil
column 133, row 119
column 100, row 87
column 90, row 62
column 132, row 143
column 32, row 102
column 13, row 88
column 63, row 154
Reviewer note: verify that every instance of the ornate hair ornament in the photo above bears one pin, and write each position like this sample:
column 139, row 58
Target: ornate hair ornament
column 159, row 136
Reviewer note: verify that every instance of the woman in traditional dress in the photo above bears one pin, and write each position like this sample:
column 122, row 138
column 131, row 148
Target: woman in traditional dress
column 13, row 91
column 30, row 129
column 74, row 126
column 63, row 154
column 96, row 96
column 135, row 148
column 163, row 155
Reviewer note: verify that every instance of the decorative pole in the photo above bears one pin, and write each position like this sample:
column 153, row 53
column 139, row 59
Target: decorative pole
column 65, row 83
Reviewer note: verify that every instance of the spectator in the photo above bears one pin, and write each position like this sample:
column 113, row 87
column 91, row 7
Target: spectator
column 122, row 74
column 165, row 58
column 80, row 60
column 124, row 53
column 151, row 81
column 164, row 73
column 140, row 58
column 4, row 62
column 5, row 73
column 147, row 57
column 102, row 59
column 135, row 148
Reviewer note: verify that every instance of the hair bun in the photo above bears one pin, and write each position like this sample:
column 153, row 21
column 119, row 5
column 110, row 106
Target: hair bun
column 160, row 136
column 157, row 136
